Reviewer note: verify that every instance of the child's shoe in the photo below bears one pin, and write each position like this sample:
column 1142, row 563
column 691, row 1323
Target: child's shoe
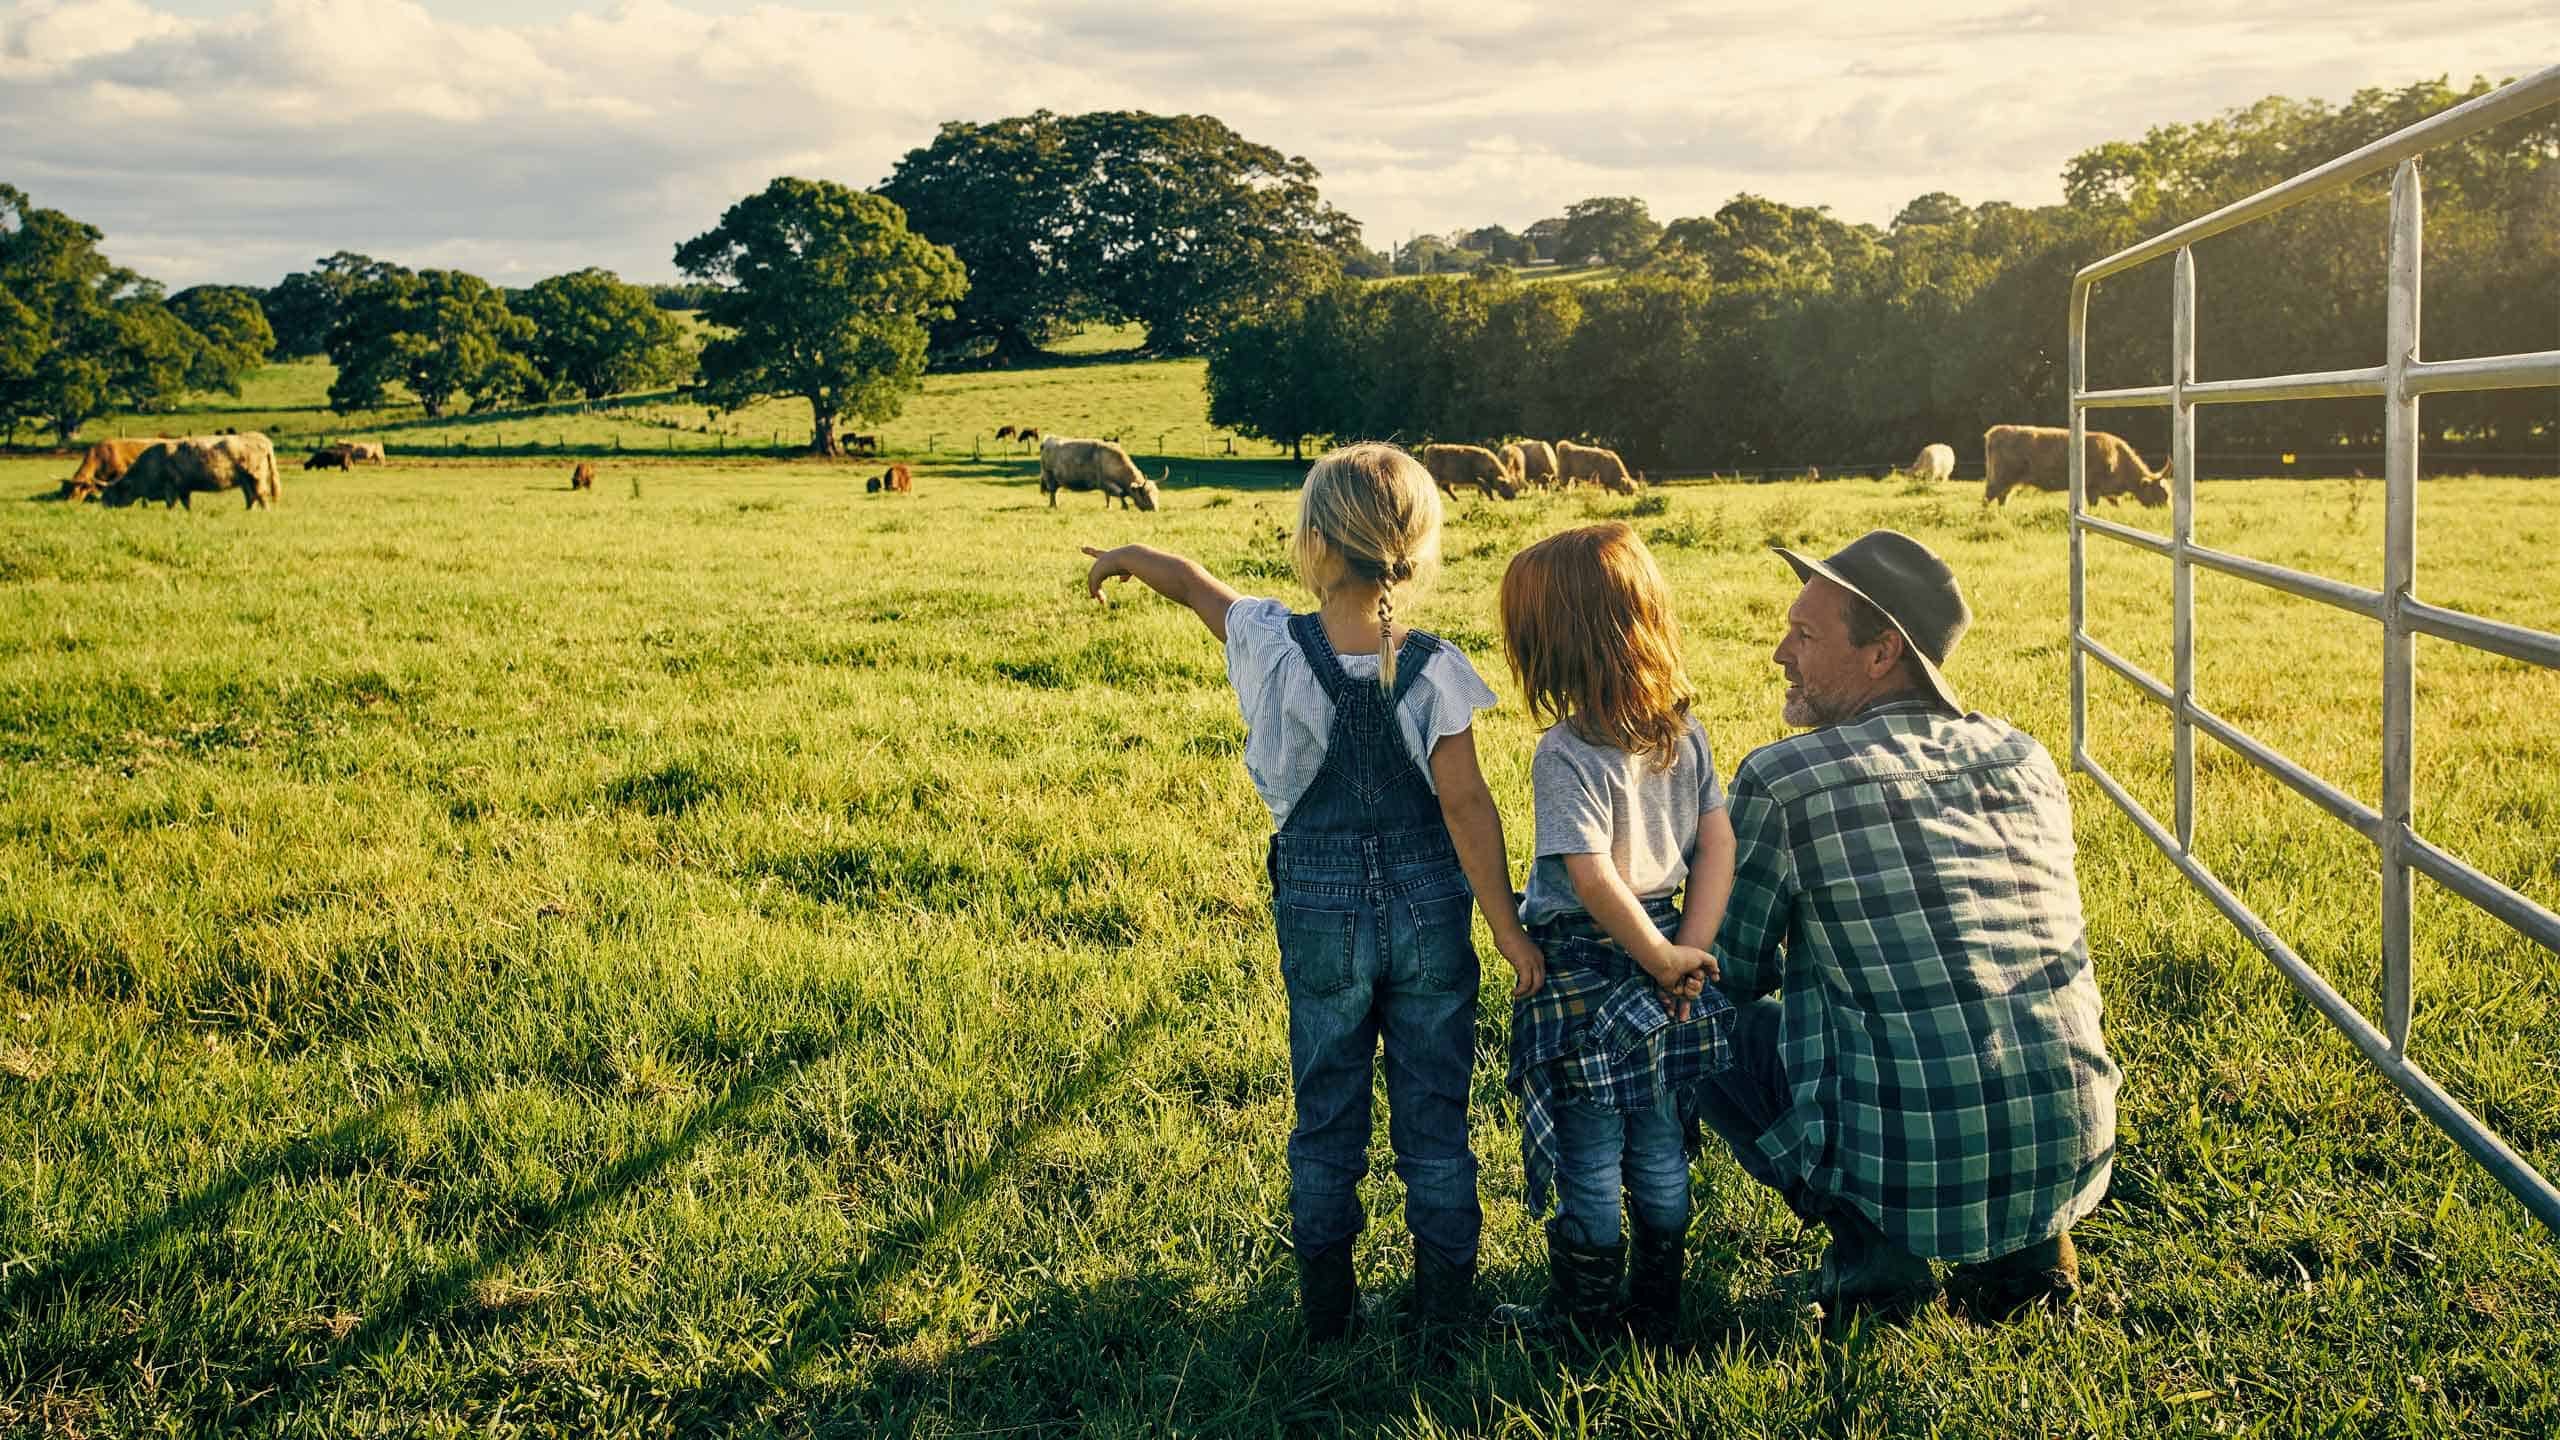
column 1328, row 1292
column 1656, row 1262
column 1444, row 1291
column 1582, row 1293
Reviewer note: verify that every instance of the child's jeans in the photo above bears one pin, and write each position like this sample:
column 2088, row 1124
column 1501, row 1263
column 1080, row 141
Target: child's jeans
column 1375, row 945
column 1604, row 1151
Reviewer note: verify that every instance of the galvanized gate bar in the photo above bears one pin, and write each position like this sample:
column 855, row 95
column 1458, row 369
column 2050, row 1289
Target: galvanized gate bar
column 2399, row 381
column 2144, row 539
column 2503, row 1164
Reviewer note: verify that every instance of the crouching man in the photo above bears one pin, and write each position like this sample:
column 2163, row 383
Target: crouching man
column 1928, row 1079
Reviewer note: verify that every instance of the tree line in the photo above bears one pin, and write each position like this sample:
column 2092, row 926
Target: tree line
column 1767, row 334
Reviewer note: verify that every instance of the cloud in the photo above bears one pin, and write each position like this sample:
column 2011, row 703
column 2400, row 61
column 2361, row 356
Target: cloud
column 240, row 145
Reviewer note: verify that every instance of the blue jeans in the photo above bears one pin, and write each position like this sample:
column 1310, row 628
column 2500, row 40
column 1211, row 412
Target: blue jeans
column 1604, row 1151
column 1742, row 1103
column 1375, row 945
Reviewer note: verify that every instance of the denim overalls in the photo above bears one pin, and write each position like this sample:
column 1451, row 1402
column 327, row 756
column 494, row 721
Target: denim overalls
column 1373, row 919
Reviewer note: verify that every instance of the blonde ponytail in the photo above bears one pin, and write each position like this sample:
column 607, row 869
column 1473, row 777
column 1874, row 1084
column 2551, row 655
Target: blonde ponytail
column 1387, row 636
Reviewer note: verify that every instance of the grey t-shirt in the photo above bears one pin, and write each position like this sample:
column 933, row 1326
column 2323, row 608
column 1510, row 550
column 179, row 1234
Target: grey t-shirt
column 1593, row 800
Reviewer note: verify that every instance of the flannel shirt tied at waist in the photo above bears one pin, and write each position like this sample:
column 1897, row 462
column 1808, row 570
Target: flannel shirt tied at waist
column 1596, row 1034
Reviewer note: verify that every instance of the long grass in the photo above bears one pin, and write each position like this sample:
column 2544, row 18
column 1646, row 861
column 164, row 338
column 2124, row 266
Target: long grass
column 725, row 953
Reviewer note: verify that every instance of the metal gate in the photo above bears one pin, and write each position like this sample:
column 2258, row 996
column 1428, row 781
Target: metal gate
column 2399, row 382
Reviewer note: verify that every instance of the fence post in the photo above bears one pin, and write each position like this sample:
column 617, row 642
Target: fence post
column 2079, row 471
column 2182, row 528
column 2399, row 574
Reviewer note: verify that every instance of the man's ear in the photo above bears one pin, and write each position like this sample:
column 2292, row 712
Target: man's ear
column 1890, row 651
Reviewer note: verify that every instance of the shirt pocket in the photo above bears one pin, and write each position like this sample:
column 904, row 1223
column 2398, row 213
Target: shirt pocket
column 1318, row 946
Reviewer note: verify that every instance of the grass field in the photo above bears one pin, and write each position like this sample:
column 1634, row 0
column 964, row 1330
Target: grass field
column 723, row 953
column 1155, row 407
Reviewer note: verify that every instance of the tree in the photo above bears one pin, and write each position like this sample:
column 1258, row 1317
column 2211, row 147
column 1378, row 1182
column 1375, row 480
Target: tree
column 80, row 336
column 1495, row 243
column 1005, row 198
column 233, row 331
column 827, row 296
column 304, row 306
column 1613, row 229
column 441, row 333
column 1283, row 376
column 599, row 336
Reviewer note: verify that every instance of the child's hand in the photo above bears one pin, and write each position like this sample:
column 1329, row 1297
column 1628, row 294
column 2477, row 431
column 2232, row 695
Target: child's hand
column 1107, row 565
column 1680, row 968
column 1528, row 968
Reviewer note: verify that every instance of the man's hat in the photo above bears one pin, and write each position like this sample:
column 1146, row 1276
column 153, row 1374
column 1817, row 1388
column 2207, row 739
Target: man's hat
column 1911, row 585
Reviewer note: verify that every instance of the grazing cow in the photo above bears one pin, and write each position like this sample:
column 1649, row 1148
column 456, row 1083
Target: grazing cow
column 1514, row 463
column 174, row 471
column 1095, row 465
column 364, row 452
column 1454, row 465
column 1004, row 432
column 896, row 480
column 584, row 477
column 1600, row 466
column 331, row 457
column 102, row 466
column 1935, row 462
column 1028, row 435
column 871, row 486
column 862, row 444
column 2040, row 456
column 1538, row 463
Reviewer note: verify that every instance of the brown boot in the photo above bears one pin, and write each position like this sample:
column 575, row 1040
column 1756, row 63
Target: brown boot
column 1861, row 1269
column 2001, row 1288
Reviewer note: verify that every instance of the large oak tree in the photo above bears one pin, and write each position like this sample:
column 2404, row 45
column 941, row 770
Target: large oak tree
column 825, row 295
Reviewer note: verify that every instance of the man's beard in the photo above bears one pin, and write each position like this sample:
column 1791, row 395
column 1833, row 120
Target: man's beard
column 1807, row 711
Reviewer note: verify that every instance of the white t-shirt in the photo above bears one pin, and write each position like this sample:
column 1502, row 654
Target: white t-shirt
column 1288, row 719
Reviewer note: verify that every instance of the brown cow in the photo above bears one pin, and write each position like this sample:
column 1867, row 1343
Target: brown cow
column 333, row 457
column 364, row 452
column 584, row 477
column 1004, row 432
column 1454, row 465
column 1538, row 463
column 1095, row 465
column 1601, row 467
column 2040, row 456
column 173, row 471
column 1028, row 435
column 862, row 444
column 102, row 465
column 896, row 480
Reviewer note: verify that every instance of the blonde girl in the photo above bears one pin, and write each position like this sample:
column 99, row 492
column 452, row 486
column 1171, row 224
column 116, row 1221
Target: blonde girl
column 1634, row 863
column 1360, row 738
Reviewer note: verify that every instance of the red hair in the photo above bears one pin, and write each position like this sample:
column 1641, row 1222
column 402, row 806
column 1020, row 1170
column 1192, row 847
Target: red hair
column 1588, row 626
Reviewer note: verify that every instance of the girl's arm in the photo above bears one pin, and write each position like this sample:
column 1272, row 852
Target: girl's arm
column 1475, row 827
column 1710, row 880
column 1172, row 576
column 1597, row 885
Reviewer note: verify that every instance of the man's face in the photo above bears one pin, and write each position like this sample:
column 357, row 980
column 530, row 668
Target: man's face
column 1828, row 679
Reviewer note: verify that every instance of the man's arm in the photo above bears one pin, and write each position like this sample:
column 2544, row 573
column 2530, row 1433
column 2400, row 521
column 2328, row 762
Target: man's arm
column 1762, row 903
column 1475, row 827
column 1174, row 577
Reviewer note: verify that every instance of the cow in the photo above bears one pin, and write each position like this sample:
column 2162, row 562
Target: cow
column 101, row 466
column 331, row 457
column 1454, row 465
column 364, row 452
column 1538, row 463
column 871, row 486
column 1934, row 462
column 2039, row 456
column 1028, row 435
column 584, row 477
column 897, row 480
column 1004, row 432
column 1514, row 463
column 174, row 471
column 1600, row 466
column 1095, row 465
column 862, row 444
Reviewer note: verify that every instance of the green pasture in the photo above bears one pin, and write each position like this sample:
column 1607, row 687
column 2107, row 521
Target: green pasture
column 728, row 954
column 1155, row 407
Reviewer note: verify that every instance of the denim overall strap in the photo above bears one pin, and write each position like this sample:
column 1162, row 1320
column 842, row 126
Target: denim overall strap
column 1369, row 784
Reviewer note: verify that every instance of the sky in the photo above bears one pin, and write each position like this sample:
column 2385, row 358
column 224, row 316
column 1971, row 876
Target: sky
column 237, row 140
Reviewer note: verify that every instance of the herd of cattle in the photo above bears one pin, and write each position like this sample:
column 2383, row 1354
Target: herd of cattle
column 173, row 471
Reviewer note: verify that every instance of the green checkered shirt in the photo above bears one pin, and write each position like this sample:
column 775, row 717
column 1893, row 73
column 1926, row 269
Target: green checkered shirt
column 1905, row 882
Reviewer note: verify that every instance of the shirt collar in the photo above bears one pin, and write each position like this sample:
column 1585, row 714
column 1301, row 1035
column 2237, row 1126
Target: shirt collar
column 1901, row 705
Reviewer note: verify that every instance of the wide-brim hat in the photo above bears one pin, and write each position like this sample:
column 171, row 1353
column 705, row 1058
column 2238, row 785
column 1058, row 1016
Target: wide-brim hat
column 1909, row 583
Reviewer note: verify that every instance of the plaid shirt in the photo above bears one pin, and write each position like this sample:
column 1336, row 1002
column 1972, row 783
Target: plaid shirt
column 1596, row 1034
column 1905, row 880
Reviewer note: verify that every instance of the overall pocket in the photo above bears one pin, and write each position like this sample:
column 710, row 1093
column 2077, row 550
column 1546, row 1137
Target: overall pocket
column 1317, row 946
column 1441, row 943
